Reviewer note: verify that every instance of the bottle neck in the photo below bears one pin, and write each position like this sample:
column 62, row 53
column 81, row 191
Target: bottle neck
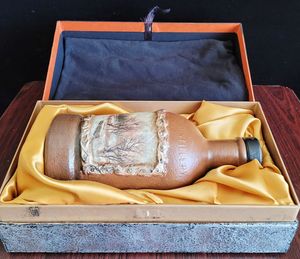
column 226, row 152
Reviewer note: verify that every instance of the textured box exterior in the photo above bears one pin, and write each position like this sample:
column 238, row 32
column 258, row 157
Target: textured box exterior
column 148, row 237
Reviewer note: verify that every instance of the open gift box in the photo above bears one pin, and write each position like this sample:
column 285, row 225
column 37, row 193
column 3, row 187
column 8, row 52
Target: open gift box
column 149, row 227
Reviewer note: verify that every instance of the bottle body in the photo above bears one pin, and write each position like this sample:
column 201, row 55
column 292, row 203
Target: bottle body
column 158, row 150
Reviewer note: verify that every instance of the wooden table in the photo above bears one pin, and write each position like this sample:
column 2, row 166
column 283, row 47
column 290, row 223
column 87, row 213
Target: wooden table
column 281, row 107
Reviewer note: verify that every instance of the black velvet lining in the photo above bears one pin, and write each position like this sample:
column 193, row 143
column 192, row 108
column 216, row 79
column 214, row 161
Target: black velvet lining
column 103, row 69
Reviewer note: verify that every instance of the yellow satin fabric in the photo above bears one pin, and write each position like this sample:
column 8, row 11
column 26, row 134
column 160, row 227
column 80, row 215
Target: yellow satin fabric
column 250, row 183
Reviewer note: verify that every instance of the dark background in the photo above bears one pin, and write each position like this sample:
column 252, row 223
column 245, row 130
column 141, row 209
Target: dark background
column 272, row 32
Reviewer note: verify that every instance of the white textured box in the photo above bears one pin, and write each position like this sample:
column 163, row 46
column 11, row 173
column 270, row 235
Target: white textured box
column 149, row 237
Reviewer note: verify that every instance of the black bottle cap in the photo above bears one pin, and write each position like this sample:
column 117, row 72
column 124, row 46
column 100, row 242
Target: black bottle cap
column 253, row 149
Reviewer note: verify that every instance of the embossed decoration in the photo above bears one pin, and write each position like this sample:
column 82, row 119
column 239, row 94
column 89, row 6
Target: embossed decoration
column 125, row 144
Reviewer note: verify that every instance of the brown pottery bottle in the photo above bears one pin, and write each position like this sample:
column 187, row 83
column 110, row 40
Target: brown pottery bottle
column 159, row 150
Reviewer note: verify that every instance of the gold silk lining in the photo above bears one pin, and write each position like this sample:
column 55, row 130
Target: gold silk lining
column 251, row 183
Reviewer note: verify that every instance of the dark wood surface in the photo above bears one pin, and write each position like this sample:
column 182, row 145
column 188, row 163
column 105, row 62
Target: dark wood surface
column 281, row 107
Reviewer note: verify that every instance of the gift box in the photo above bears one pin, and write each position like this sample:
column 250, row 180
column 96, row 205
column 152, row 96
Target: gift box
column 93, row 63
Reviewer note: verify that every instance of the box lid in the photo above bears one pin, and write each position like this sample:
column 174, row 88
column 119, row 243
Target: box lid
column 184, row 61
